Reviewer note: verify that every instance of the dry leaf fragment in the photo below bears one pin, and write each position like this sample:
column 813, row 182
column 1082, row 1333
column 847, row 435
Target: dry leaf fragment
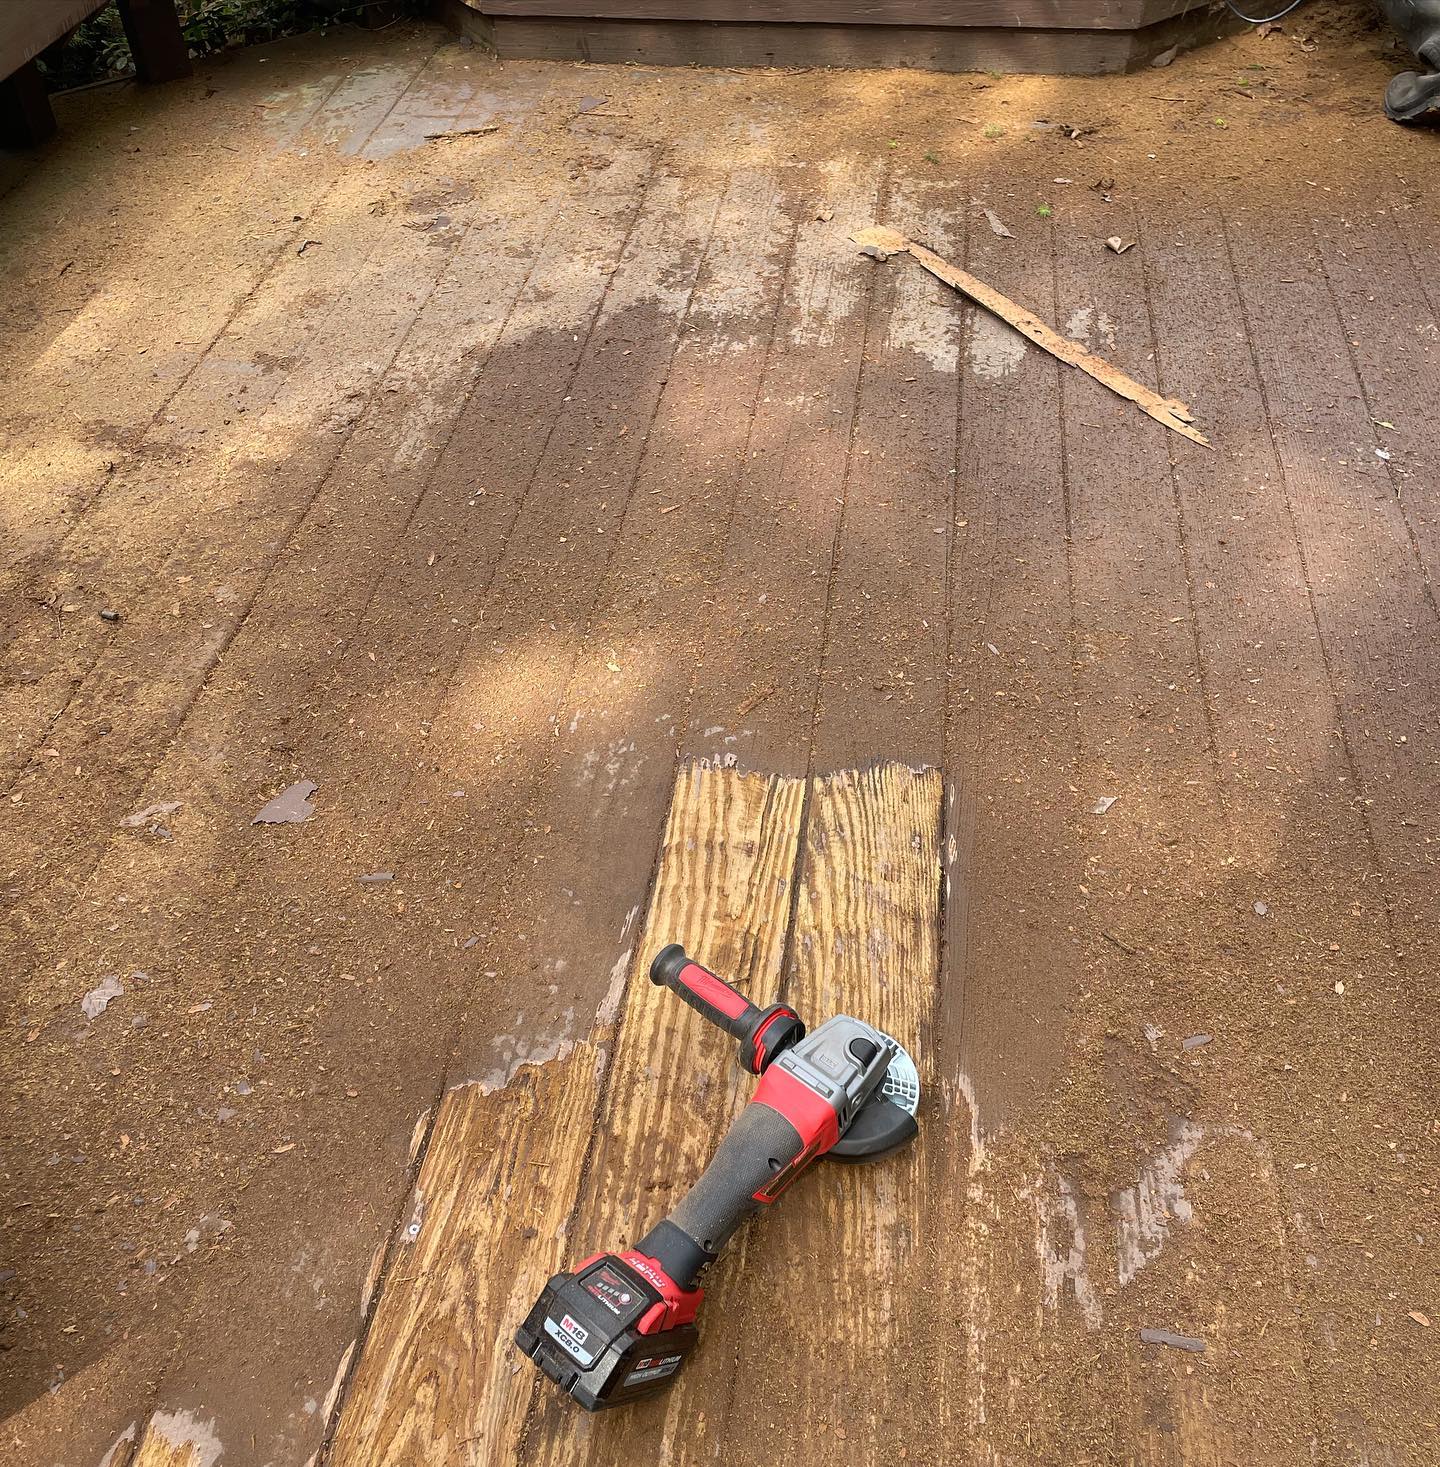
column 1119, row 245
column 996, row 226
column 1419, row 1318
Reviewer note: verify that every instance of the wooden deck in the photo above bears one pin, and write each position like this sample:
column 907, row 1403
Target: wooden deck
column 627, row 558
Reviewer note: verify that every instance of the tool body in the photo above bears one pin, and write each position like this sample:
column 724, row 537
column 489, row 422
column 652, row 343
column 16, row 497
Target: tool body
column 620, row 1325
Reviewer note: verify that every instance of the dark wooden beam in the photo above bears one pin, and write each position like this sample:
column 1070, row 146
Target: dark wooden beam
column 25, row 115
column 926, row 48
column 706, row 43
column 1021, row 14
column 156, row 41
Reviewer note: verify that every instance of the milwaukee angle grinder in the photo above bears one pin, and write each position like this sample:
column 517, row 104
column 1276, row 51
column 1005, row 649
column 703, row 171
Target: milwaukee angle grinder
column 620, row 1325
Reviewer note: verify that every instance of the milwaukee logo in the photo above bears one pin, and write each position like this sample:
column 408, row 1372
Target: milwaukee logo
column 647, row 1270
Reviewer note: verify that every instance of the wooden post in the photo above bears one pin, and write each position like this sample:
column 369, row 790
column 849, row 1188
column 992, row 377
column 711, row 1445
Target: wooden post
column 25, row 115
column 156, row 40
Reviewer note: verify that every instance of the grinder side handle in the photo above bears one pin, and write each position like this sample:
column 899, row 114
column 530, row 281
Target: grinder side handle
column 762, row 1033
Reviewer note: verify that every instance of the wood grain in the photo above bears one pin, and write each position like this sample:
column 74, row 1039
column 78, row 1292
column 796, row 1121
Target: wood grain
column 828, row 1277
column 174, row 1439
column 723, row 889
column 438, row 1379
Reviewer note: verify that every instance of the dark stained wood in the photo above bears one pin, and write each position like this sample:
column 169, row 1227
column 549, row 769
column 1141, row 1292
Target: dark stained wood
column 709, row 43
column 1042, row 14
column 1283, row 768
column 1010, row 968
column 27, row 27
column 617, row 705
column 1238, row 644
column 1376, row 622
column 883, row 668
column 1081, row 51
column 25, row 115
column 156, row 40
column 755, row 682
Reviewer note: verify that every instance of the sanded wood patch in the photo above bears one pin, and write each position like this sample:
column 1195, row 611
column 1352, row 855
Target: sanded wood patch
column 438, row 1379
column 173, row 1439
column 838, row 1247
column 723, row 888
column 842, row 1247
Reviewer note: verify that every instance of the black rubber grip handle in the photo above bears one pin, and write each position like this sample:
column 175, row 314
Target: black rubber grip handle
column 760, row 1146
column 704, row 991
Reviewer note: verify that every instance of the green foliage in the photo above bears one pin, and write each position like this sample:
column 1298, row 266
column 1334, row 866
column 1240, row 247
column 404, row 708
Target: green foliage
column 97, row 50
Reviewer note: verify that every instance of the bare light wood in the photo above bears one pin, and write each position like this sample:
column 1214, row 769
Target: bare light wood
column 173, row 1439
column 439, row 1380
column 435, row 1382
column 830, row 1274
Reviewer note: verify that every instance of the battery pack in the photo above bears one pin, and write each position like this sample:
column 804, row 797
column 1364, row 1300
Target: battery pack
column 587, row 1332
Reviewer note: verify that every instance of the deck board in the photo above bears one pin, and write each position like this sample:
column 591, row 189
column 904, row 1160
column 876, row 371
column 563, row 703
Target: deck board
column 1105, row 14
column 604, row 785
column 885, row 616
column 1011, row 965
column 755, row 683
column 1371, row 606
column 865, row 941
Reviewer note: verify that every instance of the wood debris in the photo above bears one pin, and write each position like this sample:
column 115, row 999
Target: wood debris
column 881, row 242
column 463, row 132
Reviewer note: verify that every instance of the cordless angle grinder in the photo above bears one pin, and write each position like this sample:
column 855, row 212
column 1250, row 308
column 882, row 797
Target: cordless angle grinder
column 619, row 1325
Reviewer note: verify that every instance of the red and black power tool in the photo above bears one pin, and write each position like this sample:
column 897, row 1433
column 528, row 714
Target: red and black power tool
column 620, row 1325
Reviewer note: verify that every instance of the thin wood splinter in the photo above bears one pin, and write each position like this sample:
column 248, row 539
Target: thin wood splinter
column 1170, row 411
